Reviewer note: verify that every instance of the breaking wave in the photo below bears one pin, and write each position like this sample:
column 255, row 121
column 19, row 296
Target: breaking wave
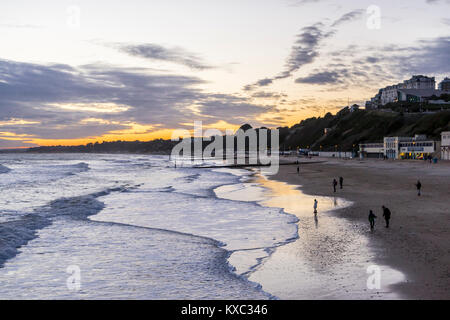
column 4, row 169
column 15, row 234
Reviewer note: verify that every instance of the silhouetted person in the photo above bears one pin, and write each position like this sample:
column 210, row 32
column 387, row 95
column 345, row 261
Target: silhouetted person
column 315, row 206
column 386, row 215
column 334, row 184
column 372, row 218
column 341, row 182
column 418, row 186
column 298, row 170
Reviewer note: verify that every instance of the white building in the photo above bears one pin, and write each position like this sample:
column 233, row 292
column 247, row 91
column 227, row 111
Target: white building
column 445, row 145
column 371, row 150
column 374, row 102
column 444, row 85
column 419, row 82
column 417, row 147
column 391, row 93
column 417, row 95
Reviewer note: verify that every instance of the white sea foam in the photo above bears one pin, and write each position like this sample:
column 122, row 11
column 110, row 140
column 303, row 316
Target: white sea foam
column 4, row 169
column 154, row 231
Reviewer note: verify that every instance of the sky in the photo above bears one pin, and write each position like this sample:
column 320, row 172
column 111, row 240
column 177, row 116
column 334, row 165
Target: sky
column 73, row 72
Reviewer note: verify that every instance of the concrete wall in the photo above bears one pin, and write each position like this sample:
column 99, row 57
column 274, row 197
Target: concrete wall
column 337, row 154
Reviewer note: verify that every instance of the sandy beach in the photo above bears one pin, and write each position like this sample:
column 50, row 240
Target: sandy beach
column 417, row 243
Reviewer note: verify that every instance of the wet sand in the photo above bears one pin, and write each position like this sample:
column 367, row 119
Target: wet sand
column 331, row 256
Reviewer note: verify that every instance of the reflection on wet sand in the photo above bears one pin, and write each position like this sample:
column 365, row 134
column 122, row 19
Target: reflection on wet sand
column 289, row 197
column 329, row 260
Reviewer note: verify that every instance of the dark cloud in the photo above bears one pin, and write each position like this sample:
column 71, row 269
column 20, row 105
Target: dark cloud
column 157, row 52
column 264, row 94
column 15, row 144
column 306, row 47
column 304, row 51
column 298, row 3
column 438, row 1
column 52, row 94
column 372, row 59
column 264, row 82
column 325, row 77
column 243, row 112
column 429, row 56
column 385, row 65
column 30, row 91
column 356, row 14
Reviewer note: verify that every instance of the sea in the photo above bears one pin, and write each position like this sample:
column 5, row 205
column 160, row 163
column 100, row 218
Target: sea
column 123, row 226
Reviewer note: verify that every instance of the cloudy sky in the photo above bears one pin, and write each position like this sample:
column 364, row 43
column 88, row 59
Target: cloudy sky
column 73, row 72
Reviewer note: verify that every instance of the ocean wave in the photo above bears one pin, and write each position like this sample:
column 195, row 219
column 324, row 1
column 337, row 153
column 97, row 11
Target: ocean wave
column 191, row 178
column 17, row 233
column 4, row 169
column 78, row 168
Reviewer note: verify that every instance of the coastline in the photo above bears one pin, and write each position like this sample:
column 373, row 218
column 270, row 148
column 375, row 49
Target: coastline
column 417, row 242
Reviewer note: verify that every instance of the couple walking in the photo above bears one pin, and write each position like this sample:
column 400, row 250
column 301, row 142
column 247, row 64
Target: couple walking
column 341, row 183
column 386, row 215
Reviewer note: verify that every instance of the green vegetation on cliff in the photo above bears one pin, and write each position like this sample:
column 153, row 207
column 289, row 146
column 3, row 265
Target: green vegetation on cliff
column 347, row 129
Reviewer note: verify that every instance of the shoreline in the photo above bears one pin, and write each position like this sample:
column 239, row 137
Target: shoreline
column 255, row 197
column 417, row 241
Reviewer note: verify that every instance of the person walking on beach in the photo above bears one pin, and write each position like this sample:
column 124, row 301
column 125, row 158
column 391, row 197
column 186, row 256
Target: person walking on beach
column 315, row 206
column 334, row 184
column 418, row 186
column 372, row 218
column 341, row 182
column 386, row 215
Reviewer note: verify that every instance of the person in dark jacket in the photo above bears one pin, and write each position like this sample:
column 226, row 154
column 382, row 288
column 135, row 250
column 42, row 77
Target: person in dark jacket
column 418, row 186
column 372, row 218
column 334, row 184
column 341, row 182
column 386, row 215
